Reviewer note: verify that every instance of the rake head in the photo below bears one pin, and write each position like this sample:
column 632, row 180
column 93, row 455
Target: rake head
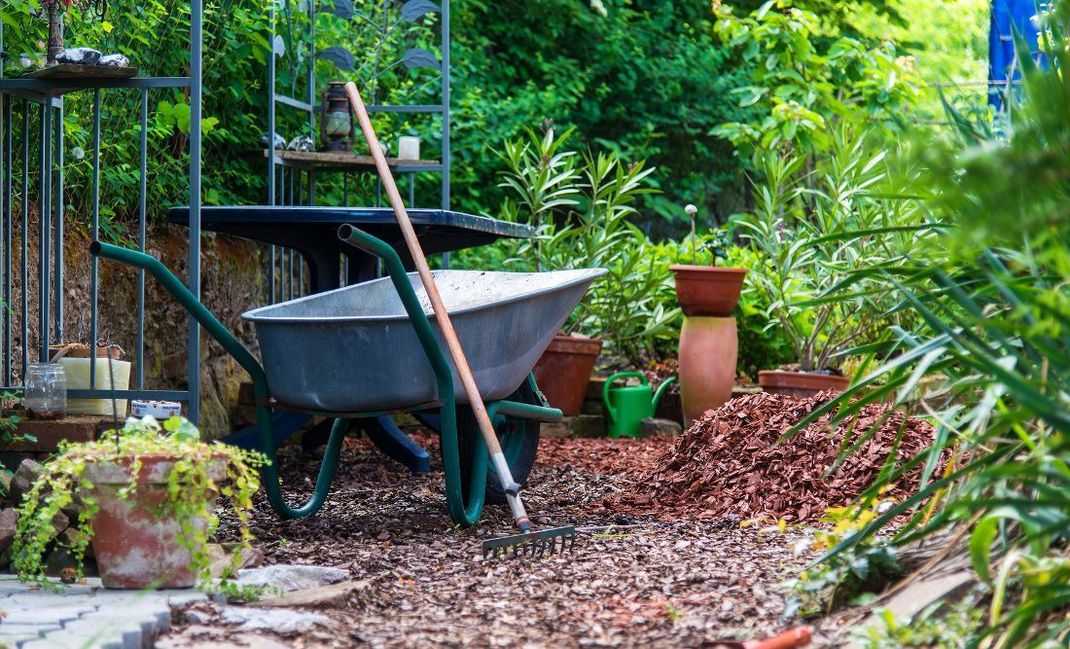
column 530, row 545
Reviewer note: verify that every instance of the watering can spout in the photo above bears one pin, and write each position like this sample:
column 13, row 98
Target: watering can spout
column 661, row 391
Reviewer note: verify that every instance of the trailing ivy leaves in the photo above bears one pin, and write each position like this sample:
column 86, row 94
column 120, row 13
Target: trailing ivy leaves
column 182, row 429
column 192, row 475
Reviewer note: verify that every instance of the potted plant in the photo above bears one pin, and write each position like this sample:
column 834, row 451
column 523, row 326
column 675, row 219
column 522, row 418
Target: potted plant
column 814, row 230
column 707, row 290
column 709, row 339
column 146, row 496
column 580, row 206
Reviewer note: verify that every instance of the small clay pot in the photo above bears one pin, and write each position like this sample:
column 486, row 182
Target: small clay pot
column 136, row 548
column 564, row 370
column 708, row 291
column 800, row 384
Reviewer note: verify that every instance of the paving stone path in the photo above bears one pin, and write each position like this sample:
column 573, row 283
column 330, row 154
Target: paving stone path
column 84, row 616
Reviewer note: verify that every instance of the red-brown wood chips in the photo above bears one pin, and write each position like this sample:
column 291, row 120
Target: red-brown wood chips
column 729, row 463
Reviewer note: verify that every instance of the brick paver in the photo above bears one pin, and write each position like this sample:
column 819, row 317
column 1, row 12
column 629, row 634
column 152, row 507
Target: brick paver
column 84, row 616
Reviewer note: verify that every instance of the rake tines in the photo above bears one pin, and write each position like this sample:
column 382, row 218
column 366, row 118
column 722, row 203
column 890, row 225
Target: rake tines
column 532, row 545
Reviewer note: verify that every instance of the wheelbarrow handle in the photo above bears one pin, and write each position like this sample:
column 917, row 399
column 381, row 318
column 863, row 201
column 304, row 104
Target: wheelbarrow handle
column 191, row 304
column 233, row 346
column 460, row 508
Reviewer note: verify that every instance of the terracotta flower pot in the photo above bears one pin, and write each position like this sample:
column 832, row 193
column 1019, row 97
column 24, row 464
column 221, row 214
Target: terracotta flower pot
column 565, row 369
column 708, row 349
column 708, row 290
column 135, row 548
column 800, row 384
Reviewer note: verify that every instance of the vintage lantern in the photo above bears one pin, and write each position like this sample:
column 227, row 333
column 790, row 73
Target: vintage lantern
column 336, row 122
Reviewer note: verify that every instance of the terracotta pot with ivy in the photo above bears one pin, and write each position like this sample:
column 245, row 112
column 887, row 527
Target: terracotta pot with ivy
column 148, row 494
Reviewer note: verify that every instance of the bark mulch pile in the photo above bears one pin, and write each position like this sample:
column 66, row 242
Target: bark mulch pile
column 423, row 582
column 730, row 464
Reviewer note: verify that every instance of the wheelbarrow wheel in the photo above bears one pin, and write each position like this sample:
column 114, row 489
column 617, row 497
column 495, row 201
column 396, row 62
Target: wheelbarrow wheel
column 519, row 439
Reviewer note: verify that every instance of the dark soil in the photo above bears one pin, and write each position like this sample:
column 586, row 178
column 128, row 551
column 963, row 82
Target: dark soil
column 630, row 581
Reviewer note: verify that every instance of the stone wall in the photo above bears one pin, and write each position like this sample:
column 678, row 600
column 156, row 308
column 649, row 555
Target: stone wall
column 232, row 281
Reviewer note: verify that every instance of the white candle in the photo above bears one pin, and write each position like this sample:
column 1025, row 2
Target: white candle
column 408, row 148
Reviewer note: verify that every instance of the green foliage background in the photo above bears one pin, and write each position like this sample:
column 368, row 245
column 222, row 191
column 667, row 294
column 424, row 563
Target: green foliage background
column 648, row 80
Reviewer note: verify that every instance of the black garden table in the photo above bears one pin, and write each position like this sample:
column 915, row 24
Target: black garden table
column 313, row 232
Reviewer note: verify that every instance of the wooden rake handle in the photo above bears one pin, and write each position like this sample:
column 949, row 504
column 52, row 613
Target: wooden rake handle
column 428, row 280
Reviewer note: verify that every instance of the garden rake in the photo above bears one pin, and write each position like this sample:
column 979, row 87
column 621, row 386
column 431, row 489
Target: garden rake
column 527, row 542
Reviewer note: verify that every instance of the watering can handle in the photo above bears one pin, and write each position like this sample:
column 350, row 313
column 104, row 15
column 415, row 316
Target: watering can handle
column 609, row 383
column 661, row 390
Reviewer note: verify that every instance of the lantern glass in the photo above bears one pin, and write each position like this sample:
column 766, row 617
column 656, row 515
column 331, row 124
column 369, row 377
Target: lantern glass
column 338, row 124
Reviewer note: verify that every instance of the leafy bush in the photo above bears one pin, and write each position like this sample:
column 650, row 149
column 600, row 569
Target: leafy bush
column 635, row 306
column 580, row 205
column 798, row 86
column 812, row 232
column 846, row 578
column 155, row 35
column 647, row 80
column 939, row 626
column 993, row 301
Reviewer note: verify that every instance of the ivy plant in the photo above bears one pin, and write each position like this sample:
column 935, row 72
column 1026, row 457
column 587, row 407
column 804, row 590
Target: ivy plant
column 193, row 485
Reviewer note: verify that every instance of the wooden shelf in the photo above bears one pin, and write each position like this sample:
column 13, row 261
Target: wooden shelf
column 345, row 160
column 38, row 89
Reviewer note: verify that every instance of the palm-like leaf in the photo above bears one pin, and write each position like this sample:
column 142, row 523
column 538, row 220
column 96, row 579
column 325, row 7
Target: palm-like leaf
column 994, row 329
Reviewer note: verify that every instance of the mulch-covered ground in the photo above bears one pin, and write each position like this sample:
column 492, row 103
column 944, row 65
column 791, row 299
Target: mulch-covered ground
column 735, row 462
column 676, row 575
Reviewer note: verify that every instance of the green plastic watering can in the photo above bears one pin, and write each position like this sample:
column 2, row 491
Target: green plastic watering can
column 628, row 405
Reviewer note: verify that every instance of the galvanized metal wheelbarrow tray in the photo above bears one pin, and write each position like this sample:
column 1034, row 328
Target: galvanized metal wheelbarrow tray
column 369, row 349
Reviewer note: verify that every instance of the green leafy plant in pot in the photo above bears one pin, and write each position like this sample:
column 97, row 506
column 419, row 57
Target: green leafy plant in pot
column 580, row 205
column 146, row 497
column 709, row 339
column 814, row 231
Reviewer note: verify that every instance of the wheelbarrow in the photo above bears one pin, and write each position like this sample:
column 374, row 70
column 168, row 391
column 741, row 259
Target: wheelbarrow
column 369, row 350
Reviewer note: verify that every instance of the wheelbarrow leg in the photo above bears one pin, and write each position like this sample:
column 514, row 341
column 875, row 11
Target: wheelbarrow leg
column 395, row 444
column 465, row 505
column 272, row 483
column 464, row 501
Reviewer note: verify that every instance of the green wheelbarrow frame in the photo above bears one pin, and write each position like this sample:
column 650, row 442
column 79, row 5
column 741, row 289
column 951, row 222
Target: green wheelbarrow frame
column 461, row 511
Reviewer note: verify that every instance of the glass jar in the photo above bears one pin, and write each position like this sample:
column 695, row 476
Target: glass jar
column 45, row 396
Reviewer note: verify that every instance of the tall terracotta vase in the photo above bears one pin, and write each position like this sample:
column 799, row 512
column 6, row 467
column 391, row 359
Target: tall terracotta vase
column 708, row 349
column 709, row 343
